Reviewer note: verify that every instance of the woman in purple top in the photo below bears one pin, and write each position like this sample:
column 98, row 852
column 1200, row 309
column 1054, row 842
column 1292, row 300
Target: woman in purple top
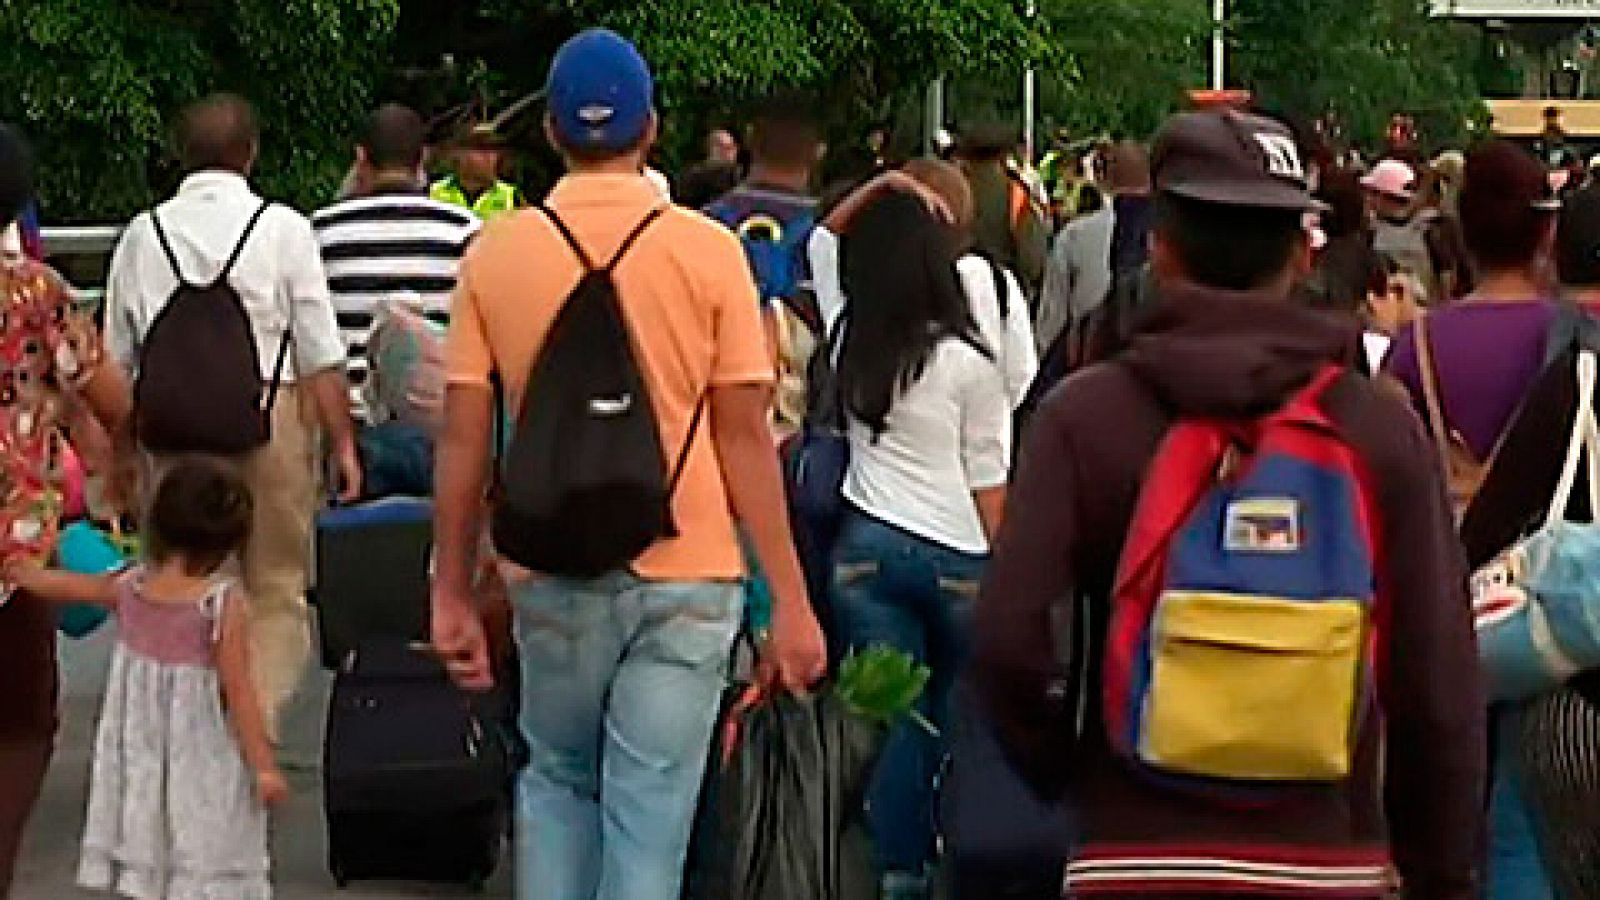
column 1487, row 351
column 1488, row 348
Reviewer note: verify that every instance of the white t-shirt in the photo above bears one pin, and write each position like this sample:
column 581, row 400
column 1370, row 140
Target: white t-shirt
column 949, row 433
column 1010, row 339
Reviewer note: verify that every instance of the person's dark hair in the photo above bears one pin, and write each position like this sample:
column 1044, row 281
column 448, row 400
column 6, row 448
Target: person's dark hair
column 218, row 132
column 1231, row 247
column 705, row 182
column 1500, row 223
column 395, row 137
column 16, row 174
column 1346, row 200
column 785, row 131
column 1090, row 200
column 898, row 267
column 986, row 141
column 201, row 514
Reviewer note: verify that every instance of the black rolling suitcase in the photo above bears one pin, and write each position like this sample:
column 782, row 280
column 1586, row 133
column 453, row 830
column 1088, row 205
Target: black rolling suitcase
column 372, row 574
column 415, row 781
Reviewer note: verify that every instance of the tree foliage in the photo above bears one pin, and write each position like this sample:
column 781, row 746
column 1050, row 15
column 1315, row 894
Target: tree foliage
column 1129, row 62
column 859, row 56
column 1126, row 63
column 1361, row 60
column 96, row 84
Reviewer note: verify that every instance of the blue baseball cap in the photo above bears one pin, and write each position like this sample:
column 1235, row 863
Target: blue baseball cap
column 601, row 92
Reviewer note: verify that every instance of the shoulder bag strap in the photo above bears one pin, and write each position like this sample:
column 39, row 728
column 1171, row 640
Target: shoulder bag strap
column 1429, row 377
column 249, row 228
column 1582, row 437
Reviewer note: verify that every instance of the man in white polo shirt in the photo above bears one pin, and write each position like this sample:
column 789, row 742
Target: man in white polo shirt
column 279, row 278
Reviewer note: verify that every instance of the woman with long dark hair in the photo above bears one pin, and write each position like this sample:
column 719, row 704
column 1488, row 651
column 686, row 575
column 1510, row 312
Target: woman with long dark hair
column 929, row 428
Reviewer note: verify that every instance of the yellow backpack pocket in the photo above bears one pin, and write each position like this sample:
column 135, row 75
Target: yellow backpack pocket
column 1253, row 688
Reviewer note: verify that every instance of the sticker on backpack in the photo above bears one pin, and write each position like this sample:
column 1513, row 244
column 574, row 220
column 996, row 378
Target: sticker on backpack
column 1263, row 525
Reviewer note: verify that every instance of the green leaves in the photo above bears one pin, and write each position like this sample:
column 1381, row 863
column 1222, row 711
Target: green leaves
column 96, row 85
column 881, row 684
column 1360, row 59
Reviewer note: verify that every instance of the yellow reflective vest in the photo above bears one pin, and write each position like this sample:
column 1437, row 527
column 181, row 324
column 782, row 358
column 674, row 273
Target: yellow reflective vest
column 501, row 198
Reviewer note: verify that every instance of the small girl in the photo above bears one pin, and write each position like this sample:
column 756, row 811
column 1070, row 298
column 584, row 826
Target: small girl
column 183, row 769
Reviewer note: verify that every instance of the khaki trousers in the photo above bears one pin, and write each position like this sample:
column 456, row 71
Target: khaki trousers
column 285, row 487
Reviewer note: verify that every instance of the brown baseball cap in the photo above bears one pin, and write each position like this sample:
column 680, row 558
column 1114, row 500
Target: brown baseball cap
column 1231, row 158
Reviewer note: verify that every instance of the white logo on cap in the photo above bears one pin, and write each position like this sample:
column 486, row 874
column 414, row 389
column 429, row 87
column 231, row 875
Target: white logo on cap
column 1283, row 159
column 596, row 114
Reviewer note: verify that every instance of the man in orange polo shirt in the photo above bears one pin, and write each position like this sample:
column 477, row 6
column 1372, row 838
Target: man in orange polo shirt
column 621, row 675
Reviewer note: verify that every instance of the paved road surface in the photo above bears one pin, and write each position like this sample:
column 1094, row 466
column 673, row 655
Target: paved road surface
column 50, row 855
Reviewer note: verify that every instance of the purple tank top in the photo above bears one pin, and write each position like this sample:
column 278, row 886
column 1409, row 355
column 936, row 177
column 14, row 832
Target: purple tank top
column 1486, row 355
column 180, row 633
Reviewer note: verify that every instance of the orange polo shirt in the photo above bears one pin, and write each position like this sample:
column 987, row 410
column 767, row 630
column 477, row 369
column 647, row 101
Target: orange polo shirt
column 691, row 306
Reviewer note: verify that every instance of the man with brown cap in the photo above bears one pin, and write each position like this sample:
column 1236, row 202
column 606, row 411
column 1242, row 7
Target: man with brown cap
column 1009, row 227
column 1225, row 343
column 476, row 183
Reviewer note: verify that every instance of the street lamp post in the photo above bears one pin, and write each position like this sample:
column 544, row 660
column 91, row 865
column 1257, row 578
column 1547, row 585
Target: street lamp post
column 1219, row 15
column 1030, row 94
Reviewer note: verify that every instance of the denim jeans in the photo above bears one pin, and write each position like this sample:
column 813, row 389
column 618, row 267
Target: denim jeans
column 621, row 681
column 892, row 588
column 396, row 460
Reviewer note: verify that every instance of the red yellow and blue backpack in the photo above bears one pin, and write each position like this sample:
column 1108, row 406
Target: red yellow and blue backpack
column 1241, row 656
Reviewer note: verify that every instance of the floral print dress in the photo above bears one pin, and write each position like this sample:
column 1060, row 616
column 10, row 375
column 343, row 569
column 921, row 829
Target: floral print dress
column 47, row 347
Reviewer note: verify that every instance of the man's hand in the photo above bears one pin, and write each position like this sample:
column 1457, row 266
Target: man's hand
column 459, row 639
column 347, row 469
column 795, row 656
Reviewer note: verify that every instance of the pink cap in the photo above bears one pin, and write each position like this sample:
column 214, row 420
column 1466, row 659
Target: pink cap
column 1392, row 178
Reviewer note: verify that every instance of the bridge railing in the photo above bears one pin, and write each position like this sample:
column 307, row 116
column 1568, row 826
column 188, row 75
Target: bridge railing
column 82, row 253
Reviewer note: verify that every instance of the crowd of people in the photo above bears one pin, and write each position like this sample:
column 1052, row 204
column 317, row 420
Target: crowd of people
column 1188, row 471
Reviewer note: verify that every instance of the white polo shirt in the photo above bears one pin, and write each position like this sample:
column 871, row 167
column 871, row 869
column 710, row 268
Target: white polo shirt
column 279, row 275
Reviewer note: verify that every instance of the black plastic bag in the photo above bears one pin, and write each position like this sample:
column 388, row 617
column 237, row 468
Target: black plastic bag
column 788, row 801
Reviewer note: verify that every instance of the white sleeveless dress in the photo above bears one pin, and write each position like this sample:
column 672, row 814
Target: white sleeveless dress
column 173, row 812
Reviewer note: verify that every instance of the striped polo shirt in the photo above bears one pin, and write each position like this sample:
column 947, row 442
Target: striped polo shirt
column 389, row 243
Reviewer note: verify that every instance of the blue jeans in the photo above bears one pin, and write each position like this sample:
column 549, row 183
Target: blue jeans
column 1516, row 866
column 396, row 460
column 917, row 596
column 621, row 681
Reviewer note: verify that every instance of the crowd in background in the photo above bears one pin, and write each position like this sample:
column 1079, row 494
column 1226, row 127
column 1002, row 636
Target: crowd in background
column 922, row 323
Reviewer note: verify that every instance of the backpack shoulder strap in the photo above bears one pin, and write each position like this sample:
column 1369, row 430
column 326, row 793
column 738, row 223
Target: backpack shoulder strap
column 633, row 236
column 166, row 248
column 238, row 248
column 583, row 255
column 569, row 237
column 1002, row 291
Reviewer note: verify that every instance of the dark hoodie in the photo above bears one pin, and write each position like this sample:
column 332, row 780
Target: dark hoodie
column 1231, row 355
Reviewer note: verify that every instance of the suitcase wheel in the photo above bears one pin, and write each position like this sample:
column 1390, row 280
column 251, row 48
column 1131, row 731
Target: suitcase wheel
column 341, row 880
